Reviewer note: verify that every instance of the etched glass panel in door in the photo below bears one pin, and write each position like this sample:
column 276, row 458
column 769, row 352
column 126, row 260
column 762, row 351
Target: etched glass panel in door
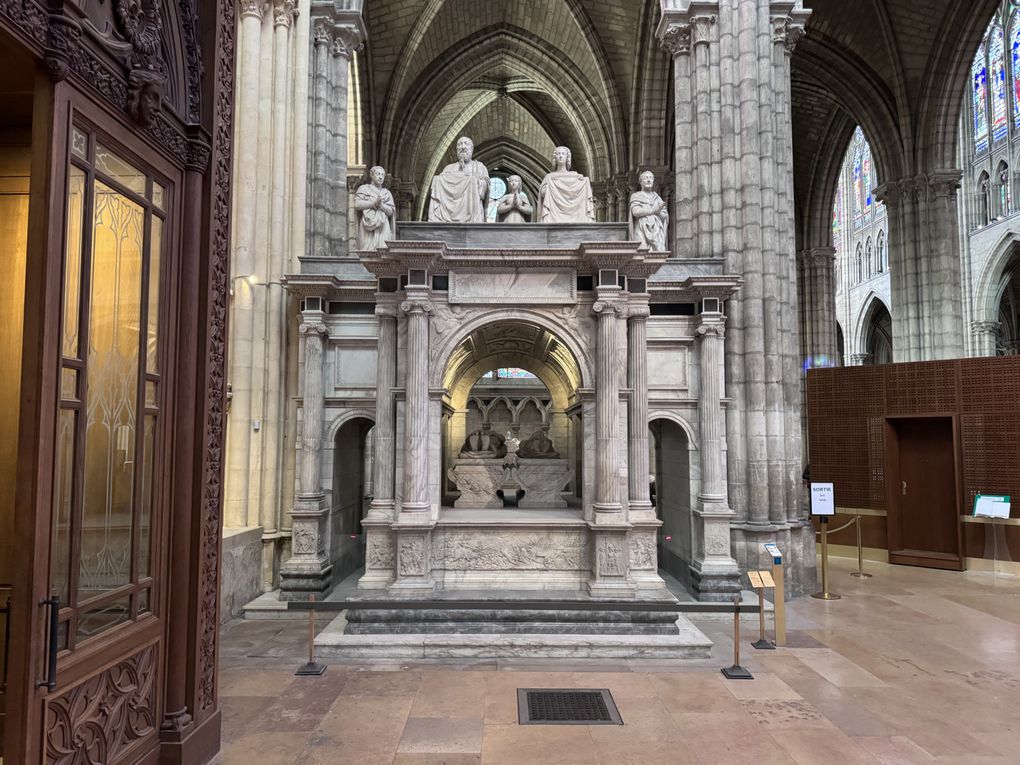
column 112, row 395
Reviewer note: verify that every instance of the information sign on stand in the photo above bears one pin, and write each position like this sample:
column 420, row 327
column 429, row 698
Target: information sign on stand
column 991, row 506
column 823, row 504
column 779, row 596
column 823, row 500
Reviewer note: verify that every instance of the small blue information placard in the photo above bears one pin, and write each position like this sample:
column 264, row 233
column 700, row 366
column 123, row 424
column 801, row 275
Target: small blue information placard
column 991, row 506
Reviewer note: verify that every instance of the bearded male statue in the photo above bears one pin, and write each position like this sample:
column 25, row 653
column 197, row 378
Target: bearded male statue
column 460, row 194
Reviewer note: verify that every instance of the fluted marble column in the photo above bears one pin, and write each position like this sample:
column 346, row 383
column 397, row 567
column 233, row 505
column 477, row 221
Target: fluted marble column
column 417, row 308
column 714, row 573
column 608, row 309
column 308, row 571
column 318, row 177
column 380, row 556
column 610, row 538
column 637, row 414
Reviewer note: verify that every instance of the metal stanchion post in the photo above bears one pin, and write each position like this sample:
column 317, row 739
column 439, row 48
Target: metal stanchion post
column 860, row 553
column 825, row 594
column 736, row 672
column 312, row 667
column 762, row 643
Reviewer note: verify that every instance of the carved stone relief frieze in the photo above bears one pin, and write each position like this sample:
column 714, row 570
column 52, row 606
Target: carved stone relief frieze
column 380, row 554
column 642, row 550
column 610, row 556
column 411, row 556
column 511, row 551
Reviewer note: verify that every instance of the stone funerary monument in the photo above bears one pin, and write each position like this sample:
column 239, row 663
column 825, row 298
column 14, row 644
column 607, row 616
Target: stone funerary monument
column 509, row 385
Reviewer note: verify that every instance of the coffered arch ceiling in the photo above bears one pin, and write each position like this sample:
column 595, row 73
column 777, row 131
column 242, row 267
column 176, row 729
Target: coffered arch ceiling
column 518, row 76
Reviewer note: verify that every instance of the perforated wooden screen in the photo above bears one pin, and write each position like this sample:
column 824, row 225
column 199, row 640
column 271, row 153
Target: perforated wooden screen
column 847, row 408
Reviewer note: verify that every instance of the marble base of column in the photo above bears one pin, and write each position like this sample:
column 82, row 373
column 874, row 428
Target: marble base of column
column 642, row 511
column 414, row 559
column 715, row 575
column 380, row 556
column 610, row 564
column 644, row 559
column 308, row 571
column 381, row 510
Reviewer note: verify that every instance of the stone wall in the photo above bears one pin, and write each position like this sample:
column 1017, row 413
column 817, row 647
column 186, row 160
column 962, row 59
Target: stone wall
column 241, row 570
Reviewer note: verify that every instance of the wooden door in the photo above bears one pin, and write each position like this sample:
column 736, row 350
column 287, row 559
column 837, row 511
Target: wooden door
column 923, row 492
column 98, row 473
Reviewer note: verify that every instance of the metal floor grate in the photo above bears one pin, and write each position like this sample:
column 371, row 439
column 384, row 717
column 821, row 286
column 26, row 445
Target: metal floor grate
column 566, row 706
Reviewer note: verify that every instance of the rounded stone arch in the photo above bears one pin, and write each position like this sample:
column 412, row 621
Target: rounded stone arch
column 988, row 294
column 551, row 323
column 343, row 418
column 677, row 419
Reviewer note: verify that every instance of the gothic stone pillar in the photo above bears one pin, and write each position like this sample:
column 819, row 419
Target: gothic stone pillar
column 309, row 571
column 985, row 335
column 924, row 274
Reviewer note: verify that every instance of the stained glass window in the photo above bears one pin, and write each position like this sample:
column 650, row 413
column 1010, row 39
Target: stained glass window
column 979, row 74
column 866, row 173
column 514, row 373
column 858, row 181
column 997, row 65
column 1015, row 55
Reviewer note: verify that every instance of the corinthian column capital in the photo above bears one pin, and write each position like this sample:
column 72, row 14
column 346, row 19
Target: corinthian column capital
column 283, row 12
column 347, row 39
column 703, row 29
column 609, row 308
column 250, row 8
column 676, row 39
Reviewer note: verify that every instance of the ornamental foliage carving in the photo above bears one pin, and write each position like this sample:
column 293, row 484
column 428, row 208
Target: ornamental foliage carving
column 215, row 358
column 96, row 721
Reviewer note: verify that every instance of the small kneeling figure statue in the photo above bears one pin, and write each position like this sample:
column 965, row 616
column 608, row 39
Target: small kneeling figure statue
column 514, row 207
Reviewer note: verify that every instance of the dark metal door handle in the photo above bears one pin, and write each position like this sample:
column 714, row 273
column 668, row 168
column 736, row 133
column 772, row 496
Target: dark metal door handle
column 50, row 681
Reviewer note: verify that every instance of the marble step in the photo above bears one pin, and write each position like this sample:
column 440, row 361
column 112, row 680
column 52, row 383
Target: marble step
column 510, row 621
column 686, row 643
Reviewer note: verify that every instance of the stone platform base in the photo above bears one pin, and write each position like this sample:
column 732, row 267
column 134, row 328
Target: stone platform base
column 687, row 642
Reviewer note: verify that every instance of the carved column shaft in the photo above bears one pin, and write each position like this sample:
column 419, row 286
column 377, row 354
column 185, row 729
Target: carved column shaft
column 382, row 500
column 985, row 335
column 710, row 412
column 607, row 406
column 314, row 332
column 416, row 460
column 637, row 415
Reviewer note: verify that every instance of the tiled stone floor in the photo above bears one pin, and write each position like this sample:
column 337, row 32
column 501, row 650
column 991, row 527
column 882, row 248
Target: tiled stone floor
column 912, row 666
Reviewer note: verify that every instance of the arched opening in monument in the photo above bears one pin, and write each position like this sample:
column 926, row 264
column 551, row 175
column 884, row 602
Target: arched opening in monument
column 878, row 334
column 350, row 493
column 670, row 462
column 510, row 434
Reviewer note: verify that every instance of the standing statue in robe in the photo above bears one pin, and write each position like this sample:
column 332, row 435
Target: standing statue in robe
column 565, row 196
column 514, row 207
column 649, row 218
column 460, row 194
column 376, row 224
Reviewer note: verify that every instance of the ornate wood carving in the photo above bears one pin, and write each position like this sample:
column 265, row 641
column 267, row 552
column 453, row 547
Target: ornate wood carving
column 97, row 720
column 218, row 288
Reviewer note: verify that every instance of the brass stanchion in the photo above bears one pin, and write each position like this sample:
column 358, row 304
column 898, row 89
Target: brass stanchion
column 736, row 672
column 825, row 594
column 860, row 553
column 312, row 667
